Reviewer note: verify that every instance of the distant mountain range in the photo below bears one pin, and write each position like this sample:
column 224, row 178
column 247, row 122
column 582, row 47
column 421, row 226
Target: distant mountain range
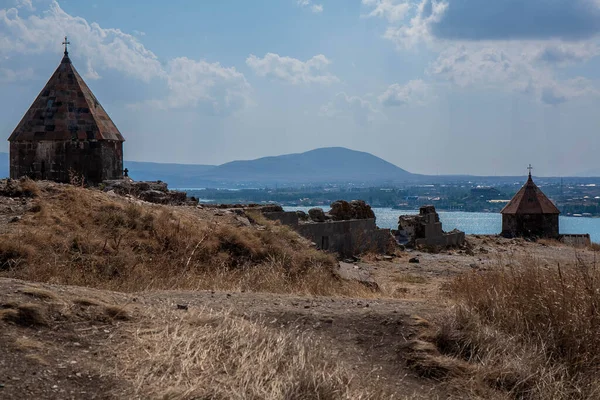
column 315, row 167
column 326, row 165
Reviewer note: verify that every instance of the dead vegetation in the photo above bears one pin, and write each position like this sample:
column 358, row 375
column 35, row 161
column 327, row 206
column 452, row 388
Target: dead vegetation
column 214, row 355
column 84, row 237
column 529, row 331
column 23, row 187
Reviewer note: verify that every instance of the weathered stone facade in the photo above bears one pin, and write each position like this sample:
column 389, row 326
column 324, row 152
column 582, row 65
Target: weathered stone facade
column 425, row 229
column 530, row 214
column 576, row 240
column 66, row 133
column 530, row 225
column 95, row 161
column 347, row 229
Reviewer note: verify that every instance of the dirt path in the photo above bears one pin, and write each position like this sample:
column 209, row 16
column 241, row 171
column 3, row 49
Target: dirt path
column 71, row 357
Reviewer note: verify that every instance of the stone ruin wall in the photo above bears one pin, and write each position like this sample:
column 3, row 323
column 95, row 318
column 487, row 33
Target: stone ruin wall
column 95, row 161
column 425, row 229
column 576, row 240
column 347, row 229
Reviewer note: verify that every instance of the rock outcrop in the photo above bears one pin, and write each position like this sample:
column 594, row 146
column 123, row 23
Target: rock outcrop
column 152, row 192
column 317, row 215
column 341, row 210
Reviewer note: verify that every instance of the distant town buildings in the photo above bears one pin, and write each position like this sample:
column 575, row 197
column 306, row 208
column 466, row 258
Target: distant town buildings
column 66, row 133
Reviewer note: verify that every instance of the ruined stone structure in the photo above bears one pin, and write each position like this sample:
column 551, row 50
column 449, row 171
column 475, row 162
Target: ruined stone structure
column 530, row 214
column 66, row 133
column 347, row 229
column 576, row 240
column 425, row 229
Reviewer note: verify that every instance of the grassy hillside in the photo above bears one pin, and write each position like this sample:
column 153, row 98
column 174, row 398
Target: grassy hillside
column 77, row 236
column 200, row 303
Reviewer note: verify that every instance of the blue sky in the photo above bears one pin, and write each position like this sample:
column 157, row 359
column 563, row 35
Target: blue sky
column 436, row 87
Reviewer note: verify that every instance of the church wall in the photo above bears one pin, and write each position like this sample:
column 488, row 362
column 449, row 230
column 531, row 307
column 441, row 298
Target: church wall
column 52, row 160
column 530, row 225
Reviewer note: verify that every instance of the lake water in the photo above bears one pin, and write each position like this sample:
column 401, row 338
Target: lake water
column 478, row 223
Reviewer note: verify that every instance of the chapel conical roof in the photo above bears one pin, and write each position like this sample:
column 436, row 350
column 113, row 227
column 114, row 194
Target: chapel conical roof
column 530, row 200
column 66, row 109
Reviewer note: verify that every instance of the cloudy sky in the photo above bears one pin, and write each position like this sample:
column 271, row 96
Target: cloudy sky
column 434, row 86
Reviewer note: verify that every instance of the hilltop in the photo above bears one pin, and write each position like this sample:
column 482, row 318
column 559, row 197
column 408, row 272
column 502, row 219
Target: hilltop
column 107, row 296
column 332, row 164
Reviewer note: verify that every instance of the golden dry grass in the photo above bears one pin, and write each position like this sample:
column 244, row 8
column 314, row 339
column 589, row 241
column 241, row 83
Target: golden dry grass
column 27, row 314
column 39, row 293
column 531, row 331
column 84, row 237
column 209, row 355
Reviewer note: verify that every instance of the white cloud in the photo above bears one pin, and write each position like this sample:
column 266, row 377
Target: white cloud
column 496, row 46
column 562, row 54
column 201, row 84
column 292, row 70
column 27, row 4
column 418, row 28
column 315, row 8
column 104, row 48
column 507, row 66
column 343, row 105
column 392, row 10
column 475, row 20
column 191, row 83
column 414, row 92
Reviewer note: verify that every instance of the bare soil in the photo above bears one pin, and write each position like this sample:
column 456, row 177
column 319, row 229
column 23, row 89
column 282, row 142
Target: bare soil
column 70, row 353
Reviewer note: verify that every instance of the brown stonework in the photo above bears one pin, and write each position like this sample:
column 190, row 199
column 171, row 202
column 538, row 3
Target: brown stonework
column 530, row 214
column 66, row 131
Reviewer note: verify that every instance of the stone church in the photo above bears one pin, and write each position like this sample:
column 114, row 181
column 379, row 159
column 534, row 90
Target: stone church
column 530, row 214
column 66, row 133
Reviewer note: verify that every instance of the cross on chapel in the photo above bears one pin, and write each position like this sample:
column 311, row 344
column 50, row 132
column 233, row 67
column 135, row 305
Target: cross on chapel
column 66, row 43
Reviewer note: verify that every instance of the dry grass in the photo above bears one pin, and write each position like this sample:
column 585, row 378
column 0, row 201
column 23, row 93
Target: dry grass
column 29, row 315
column 23, row 187
column 532, row 331
column 209, row 355
column 39, row 293
column 87, row 238
column 117, row 312
column 410, row 278
column 27, row 343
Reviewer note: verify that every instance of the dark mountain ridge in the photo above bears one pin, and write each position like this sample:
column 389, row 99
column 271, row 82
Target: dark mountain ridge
column 331, row 164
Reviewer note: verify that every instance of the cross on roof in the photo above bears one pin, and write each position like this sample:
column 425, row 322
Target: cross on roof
column 66, row 43
column 530, row 168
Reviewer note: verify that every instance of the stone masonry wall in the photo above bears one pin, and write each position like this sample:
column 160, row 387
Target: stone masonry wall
column 530, row 225
column 94, row 160
column 346, row 238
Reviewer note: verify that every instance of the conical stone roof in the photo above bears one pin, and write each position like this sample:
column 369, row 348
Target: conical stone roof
column 66, row 109
column 530, row 200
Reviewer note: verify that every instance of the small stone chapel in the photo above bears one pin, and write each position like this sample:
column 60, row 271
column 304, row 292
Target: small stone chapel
column 530, row 214
column 66, row 133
